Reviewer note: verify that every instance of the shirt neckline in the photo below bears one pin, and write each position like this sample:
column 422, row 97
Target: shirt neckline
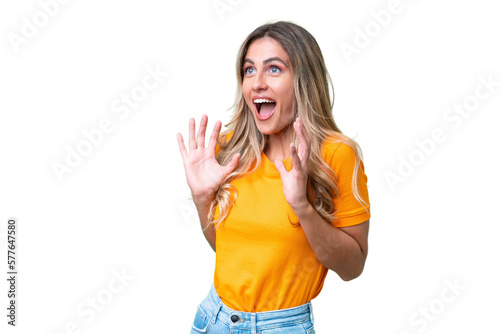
column 270, row 168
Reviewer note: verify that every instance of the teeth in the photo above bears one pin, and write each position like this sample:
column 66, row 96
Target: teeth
column 263, row 101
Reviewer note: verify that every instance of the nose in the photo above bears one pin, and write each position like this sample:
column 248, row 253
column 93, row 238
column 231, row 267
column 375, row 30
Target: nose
column 259, row 82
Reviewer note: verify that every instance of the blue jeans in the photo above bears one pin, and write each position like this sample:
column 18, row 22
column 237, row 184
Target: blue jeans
column 213, row 317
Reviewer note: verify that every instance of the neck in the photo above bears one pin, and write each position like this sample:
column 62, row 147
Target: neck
column 278, row 146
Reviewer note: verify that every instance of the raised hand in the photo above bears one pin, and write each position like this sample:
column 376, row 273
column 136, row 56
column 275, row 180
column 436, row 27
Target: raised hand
column 203, row 173
column 295, row 180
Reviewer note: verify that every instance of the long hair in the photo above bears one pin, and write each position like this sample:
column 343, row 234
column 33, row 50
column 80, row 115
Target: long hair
column 312, row 104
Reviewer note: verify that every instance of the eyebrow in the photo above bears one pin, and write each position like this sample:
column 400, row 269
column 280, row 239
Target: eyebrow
column 267, row 61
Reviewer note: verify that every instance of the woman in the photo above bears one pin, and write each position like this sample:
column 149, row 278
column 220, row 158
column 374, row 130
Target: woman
column 281, row 194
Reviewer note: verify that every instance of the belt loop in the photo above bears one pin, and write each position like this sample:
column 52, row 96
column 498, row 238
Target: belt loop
column 216, row 313
column 253, row 319
column 311, row 312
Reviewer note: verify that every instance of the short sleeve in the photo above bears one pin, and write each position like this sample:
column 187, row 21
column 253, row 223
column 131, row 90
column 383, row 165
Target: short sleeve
column 349, row 211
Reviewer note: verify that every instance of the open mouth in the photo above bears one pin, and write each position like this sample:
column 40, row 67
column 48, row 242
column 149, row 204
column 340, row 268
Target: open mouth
column 265, row 108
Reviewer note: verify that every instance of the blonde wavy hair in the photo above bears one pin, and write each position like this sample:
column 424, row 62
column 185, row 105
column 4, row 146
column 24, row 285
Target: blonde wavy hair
column 312, row 104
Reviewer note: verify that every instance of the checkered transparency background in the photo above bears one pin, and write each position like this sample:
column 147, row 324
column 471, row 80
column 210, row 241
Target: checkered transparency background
column 94, row 92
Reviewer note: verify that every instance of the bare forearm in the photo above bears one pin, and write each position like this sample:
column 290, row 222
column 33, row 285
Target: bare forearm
column 203, row 208
column 334, row 248
column 204, row 174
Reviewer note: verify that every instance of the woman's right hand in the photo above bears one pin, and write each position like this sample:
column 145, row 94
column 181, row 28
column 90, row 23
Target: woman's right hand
column 203, row 173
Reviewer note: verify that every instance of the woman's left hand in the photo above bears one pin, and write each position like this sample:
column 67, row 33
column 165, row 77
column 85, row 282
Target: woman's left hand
column 295, row 180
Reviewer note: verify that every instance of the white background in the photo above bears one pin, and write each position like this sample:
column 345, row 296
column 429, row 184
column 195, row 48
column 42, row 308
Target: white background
column 126, row 206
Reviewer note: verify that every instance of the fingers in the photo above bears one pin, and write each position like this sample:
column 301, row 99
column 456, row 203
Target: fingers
column 198, row 140
column 182, row 147
column 280, row 167
column 192, row 141
column 232, row 164
column 201, row 131
column 296, row 161
column 214, row 137
column 304, row 140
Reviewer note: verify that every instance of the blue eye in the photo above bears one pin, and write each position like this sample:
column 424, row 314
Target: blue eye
column 248, row 70
column 274, row 69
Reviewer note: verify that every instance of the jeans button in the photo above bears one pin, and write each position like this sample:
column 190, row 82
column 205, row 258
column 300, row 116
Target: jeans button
column 234, row 318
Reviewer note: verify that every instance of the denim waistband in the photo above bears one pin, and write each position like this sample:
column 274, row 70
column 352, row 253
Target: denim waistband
column 256, row 321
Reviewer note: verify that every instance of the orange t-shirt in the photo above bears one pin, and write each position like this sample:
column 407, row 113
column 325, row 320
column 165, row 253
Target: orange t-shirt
column 263, row 263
